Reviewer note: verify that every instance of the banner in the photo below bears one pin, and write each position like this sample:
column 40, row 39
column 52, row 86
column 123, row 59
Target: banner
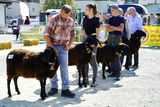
column 153, row 36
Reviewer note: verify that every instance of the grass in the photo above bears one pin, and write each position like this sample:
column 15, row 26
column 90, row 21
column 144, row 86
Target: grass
column 28, row 36
column 40, row 37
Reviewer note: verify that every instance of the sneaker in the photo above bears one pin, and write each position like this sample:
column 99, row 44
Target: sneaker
column 118, row 78
column 53, row 91
column 67, row 93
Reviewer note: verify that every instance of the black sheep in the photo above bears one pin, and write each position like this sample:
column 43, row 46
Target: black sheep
column 134, row 44
column 81, row 54
column 107, row 53
column 39, row 65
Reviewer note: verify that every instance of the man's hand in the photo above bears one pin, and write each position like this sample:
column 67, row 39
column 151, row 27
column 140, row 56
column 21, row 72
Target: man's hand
column 67, row 47
column 56, row 51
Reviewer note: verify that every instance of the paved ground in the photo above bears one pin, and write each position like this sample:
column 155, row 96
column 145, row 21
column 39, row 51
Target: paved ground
column 137, row 88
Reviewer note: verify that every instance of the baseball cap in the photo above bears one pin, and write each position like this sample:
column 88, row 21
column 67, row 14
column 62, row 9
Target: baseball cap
column 114, row 7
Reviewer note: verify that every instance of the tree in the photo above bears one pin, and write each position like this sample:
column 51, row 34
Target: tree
column 56, row 4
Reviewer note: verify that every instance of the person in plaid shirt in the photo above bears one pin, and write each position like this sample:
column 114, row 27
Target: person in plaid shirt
column 59, row 34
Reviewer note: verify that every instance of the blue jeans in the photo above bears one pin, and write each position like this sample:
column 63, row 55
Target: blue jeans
column 63, row 59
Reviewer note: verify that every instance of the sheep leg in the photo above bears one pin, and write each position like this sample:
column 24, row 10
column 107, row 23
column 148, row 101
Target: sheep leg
column 42, row 95
column 8, row 86
column 103, row 71
column 16, row 85
column 79, row 82
column 45, row 88
column 127, row 62
column 84, row 77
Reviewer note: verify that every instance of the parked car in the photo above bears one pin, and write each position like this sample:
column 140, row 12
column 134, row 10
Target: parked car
column 139, row 8
column 13, row 23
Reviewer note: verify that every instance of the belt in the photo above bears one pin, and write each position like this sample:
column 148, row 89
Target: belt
column 59, row 44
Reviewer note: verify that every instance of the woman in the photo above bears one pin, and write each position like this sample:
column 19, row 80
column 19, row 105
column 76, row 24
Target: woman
column 27, row 21
column 90, row 26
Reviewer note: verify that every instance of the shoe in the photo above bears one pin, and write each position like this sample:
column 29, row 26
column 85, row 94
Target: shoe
column 112, row 75
column 67, row 93
column 118, row 78
column 53, row 91
column 95, row 82
column 135, row 66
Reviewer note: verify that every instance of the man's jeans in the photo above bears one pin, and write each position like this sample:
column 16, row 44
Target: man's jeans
column 63, row 59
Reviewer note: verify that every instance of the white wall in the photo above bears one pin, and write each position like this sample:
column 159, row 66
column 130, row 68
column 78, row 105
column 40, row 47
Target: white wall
column 2, row 19
column 13, row 10
column 34, row 9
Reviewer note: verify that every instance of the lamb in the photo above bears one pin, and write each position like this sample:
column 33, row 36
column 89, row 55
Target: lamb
column 107, row 53
column 27, row 64
column 81, row 54
column 134, row 45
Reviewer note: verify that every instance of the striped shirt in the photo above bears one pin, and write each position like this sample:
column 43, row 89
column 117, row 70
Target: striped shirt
column 60, row 31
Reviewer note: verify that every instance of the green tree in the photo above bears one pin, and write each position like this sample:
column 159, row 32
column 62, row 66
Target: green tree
column 57, row 4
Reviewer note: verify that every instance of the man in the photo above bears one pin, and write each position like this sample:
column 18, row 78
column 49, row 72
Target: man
column 158, row 19
column 59, row 34
column 125, row 34
column 135, row 23
column 153, row 20
column 115, row 27
column 19, row 22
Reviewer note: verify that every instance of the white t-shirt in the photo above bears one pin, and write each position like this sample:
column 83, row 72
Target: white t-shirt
column 102, row 35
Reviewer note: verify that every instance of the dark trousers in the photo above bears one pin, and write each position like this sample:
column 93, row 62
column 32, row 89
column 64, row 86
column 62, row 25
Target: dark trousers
column 116, row 64
column 17, row 34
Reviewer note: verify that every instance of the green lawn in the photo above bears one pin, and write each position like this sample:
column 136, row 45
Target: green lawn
column 40, row 37
column 28, row 36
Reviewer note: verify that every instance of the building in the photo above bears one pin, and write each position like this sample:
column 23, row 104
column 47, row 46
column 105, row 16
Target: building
column 34, row 6
column 3, row 7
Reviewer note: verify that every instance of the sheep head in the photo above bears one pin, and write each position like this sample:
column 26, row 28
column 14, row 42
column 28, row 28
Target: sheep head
column 92, row 40
column 121, row 48
column 50, row 57
column 138, row 35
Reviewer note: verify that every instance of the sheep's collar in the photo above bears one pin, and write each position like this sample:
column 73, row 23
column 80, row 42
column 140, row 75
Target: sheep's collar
column 117, row 53
column 89, row 51
column 51, row 66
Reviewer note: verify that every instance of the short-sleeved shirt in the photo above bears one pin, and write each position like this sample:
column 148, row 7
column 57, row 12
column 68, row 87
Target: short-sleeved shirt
column 116, row 21
column 135, row 23
column 90, row 25
column 60, row 31
column 158, row 20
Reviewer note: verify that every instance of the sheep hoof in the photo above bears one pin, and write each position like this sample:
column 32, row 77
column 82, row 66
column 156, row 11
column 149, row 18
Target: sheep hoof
column 18, row 93
column 80, row 86
column 85, row 85
column 43, row 98
column 104, row 77
column 10, row 96
column 127, row 68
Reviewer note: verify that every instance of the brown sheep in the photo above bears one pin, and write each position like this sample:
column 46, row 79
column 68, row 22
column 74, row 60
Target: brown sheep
column 80, row 55
column 39, row 65
column 134, row 44
column 107, row 53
